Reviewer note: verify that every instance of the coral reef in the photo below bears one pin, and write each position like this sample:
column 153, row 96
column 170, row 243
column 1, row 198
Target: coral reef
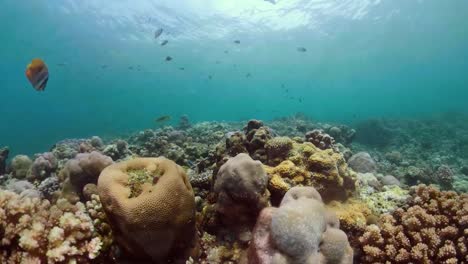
column 150, row 206
column 36, row 231
column 431, row 229
column 83, row 169
column 3, row 157
column 43, row 166
column 299, row 231
column 320, row 139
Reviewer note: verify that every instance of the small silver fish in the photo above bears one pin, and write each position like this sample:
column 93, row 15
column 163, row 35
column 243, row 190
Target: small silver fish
column 158, row 33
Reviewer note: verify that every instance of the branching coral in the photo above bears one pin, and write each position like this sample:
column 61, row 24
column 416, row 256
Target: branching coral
column 432, row 229
column 35, row 231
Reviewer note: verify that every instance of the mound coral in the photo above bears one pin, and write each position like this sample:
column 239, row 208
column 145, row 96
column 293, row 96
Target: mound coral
column 241, row 186
column 150, row 206
column 432, row 229
column 20, row 166
column 83, row 169
column 35, row 231
column 362, row 162
column 301, row 230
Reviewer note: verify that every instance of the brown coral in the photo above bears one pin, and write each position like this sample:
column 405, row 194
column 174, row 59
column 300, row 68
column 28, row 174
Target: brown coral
column 151, row 207
column 432, row 229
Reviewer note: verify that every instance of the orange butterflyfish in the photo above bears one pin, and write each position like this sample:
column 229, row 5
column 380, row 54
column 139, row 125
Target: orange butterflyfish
column 37, row 74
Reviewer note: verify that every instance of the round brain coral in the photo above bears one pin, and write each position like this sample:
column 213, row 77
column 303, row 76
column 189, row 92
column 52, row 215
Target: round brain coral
column 151, row 207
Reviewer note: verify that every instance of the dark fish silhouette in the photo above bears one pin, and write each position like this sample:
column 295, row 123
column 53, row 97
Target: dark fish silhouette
column 248, row 75
column 158, row 33
column 164, row 42
column 181, row 68
column 271, row 1
column 168, row 58
column 237, row 41
column 301, row 49
column 210, row 77
column 103, row 66
column 163, row 118
column 226, row 51
column 130, row 67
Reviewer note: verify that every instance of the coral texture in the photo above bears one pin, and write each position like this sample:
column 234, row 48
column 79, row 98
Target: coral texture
column 432, row 229
column 325, row 170
column 20, row 166
column 150, row 205
column 301, row 230
column 43, row 166
column 35, row 231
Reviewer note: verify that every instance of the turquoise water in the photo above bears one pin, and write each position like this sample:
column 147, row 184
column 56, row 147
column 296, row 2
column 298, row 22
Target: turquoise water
column 364, row 59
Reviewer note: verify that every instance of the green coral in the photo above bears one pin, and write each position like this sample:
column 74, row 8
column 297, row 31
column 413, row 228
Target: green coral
column 138, row 177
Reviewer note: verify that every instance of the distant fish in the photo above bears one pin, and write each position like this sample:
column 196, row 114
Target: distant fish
column 271, row 1
column 217, row 62
column 103, row 66
column 37, row 74
column 237, row 41
column 164, row 42
column 226, row 51
column 248, row 75
column 158, row 33
column 61, row 64
column 163, row 119
column 301, row 49
column 210, row 77
column 130, row 67
column 168, row 58
column 282, row 85
column 181, row 68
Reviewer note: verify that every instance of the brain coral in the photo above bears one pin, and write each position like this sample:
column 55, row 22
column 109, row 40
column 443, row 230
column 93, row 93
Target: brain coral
column 151, row 207
column 432, row 229
column 301, row 230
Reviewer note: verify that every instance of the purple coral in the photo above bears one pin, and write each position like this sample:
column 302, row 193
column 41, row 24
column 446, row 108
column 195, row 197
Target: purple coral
column 43, row 166
column 241, row 185
column 301, row 230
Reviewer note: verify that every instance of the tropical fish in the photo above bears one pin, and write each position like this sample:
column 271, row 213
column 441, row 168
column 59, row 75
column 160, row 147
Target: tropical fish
column 168, row 58
column 164, row 42
column 163, row 119
column 158, row 33
column 37, row 74
column 301, row 49
column 237, row 41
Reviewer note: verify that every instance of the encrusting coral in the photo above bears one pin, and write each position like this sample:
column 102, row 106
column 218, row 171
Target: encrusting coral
column 308, row 165
column 432, row 229
column 150, row 205
column 36, row 231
